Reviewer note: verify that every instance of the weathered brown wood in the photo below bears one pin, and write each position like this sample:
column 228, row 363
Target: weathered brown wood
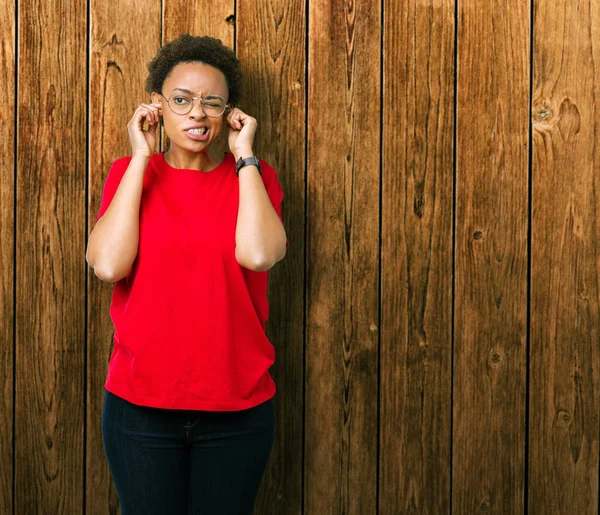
column 342, row 257
column 452, row 428
column 490, row 335
column 124, row 38
column 50, row 270
column 416, row 258
column 7, row 262
column 270, row 43
column 563, row 465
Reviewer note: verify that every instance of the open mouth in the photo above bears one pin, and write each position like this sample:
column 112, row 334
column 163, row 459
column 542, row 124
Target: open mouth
column 201, row 130
column 198, row 134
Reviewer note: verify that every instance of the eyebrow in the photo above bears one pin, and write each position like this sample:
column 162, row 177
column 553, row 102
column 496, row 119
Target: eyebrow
column 210, row 95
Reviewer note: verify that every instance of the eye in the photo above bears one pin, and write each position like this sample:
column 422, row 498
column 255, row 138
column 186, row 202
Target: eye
column 183, row 101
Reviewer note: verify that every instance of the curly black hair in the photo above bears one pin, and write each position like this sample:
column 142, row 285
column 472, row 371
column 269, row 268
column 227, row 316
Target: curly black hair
column 187, row 48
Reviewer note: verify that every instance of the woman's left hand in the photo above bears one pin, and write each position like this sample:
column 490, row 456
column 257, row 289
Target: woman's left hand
column 241, row 131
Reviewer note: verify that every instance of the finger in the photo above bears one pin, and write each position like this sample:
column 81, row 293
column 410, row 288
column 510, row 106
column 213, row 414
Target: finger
column 154, row 113
column 152, row 109
column 154, row 106
column 233, row 113
column 147, row 107
column 158, row 108
column 143, row 115
column 139, row 116
column 137, row 120
column 143, row 109
column 236, row 122
column 151, row 114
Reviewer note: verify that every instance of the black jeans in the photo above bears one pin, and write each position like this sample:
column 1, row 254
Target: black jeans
column 178, row 462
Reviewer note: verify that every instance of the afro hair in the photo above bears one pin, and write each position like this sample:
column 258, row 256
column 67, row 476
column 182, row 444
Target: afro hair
column 187, row 48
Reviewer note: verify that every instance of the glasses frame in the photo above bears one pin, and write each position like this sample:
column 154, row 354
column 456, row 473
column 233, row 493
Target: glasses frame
column 201, row 99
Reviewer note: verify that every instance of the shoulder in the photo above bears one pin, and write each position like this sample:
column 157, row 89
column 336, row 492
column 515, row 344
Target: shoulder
column 121, row 163
column 118, row 167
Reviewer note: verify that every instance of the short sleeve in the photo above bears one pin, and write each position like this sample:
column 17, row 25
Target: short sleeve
column 113, row 179
column 274, row 189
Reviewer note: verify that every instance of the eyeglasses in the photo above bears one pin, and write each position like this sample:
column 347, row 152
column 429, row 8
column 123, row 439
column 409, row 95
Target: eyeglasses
column 212, row 105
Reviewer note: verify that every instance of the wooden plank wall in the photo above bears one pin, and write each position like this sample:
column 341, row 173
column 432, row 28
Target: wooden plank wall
column 436, row 318
column 50, row 208
column 565, row 258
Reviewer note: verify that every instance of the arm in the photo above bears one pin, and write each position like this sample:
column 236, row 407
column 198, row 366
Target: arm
column 113, row 243
column 260, row 236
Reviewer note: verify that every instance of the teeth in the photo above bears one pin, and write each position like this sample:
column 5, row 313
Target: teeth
column 198, row 131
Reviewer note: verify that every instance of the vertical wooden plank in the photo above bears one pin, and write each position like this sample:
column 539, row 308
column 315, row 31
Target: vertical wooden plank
column 50, row 274
column 7, row 228
column 491, row 257
column 120, row 50
column 416, row 270
column 342, row 257
column 271, row 39
column 563, row 468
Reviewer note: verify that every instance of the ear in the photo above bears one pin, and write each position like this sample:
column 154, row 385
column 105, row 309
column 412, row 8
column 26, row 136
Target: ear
column 155, row 97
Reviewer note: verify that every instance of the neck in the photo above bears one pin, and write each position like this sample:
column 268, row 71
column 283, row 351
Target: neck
column 181, row 158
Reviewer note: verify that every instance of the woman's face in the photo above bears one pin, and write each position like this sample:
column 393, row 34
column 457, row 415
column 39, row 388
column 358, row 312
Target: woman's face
column 199, row 80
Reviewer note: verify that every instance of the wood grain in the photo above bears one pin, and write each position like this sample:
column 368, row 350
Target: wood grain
column 565, row 263
column 7, row 261
column 435, row 254
column 342, row 257
column 124, row 38
column 50, row 269
column 416, row 258
column 270, row 43
column 490, row 303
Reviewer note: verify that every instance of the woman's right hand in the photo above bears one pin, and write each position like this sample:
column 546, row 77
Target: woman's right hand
column 143, row 142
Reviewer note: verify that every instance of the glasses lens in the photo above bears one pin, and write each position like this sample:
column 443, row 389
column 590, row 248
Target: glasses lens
column 214, row 107
column 180, row 104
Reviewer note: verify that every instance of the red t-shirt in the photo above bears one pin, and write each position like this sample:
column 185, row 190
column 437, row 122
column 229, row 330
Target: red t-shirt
column 189, row 319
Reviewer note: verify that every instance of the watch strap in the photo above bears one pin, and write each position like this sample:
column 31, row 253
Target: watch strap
column 245, row 161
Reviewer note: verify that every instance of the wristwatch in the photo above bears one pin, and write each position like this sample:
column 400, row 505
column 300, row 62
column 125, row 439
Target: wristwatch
column 245, row 161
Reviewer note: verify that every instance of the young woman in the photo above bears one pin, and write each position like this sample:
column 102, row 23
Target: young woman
column 188, row 420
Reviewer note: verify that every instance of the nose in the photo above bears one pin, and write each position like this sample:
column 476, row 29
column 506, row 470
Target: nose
column 197, row 110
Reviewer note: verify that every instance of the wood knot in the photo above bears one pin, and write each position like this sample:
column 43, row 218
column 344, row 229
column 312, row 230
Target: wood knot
column 569, row 120
column 543, row 114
